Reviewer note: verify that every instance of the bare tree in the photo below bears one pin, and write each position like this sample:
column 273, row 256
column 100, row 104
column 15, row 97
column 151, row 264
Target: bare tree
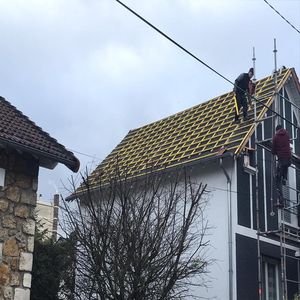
column 139, row 238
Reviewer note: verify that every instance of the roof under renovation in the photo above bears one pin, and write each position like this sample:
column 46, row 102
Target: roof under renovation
column 18, row 132
column 199, row 133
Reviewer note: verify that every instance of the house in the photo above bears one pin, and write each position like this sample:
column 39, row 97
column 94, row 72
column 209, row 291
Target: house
column 254, row 243
column 47, row 217
column 24, row 148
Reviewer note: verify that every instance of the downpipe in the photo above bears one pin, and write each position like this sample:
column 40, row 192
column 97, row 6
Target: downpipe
column 230, row 269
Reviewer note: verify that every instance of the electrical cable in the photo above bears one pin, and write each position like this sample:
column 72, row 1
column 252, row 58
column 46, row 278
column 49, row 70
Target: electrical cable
column 84, row 154
column 100, row 159
column 195, row 57
column 282, row 16
column 211, row 189
column 287, row 100
column 173, row 41
column 252, row 97
column 289, row 188
column 198, row 59
column 268, row 160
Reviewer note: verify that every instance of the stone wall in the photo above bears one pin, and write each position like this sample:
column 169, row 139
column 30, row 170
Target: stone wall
column 17, row 224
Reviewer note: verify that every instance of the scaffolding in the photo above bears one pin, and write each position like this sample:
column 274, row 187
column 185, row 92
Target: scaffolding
column 284, row 233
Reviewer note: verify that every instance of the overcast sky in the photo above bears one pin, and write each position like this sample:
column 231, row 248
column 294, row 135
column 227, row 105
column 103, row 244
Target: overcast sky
column 88, row 71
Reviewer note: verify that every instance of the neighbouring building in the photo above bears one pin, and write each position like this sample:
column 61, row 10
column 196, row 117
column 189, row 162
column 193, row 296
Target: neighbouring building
column 255, row 245
column 47, row 216
column 24, row 148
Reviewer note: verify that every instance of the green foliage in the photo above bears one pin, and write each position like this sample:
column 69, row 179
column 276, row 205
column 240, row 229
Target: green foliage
column 52, row 273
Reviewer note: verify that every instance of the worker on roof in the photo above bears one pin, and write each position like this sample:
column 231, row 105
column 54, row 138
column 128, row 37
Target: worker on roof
column 241, row 89
column 281, row 148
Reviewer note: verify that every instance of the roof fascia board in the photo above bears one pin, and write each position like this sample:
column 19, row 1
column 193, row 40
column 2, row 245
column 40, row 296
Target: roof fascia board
column 296, row 79
column 294, row 93
column 167, row 170
column 42, row 155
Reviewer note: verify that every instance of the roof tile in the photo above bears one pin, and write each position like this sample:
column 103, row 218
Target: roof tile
column 16, row 130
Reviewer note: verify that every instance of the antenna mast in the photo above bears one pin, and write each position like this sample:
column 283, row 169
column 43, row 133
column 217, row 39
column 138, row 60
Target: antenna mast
column 275, row 86
column 253, row 62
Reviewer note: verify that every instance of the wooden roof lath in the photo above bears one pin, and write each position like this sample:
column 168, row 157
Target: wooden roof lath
column 195, row 134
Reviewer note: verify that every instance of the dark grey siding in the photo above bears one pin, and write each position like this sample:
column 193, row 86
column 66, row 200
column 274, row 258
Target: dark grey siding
column 243, row 195
column 247, row 267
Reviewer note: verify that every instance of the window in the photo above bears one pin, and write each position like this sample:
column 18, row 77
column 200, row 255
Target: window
column 2, row 177
column 290, row 197
column 270, row 276
column 289, row 192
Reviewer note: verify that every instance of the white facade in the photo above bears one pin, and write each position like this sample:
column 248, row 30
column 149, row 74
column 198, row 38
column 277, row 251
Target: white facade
column 221, row 237
column 47, row 218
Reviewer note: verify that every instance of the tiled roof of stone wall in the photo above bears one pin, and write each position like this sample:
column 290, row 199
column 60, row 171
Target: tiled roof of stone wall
column 17, row 131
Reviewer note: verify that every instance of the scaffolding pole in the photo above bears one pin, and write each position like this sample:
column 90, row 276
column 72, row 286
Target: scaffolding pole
column 259, row 261
column 281, row 222
column 283, row 232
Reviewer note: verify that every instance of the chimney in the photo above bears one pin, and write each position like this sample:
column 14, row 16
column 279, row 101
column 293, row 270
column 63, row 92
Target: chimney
column 55, row 215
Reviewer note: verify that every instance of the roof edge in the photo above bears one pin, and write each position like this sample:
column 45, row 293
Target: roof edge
column 73, row 165
column 296, row 79
column 166, row 169
column 265, row 109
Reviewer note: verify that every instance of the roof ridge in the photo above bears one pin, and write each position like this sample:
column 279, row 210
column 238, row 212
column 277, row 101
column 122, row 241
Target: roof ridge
column 194, row 134
column 194, row 106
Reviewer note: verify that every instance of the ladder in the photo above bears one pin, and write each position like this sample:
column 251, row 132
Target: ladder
column 283, row 232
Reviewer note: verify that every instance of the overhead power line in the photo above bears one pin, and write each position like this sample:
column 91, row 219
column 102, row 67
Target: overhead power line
column 282, row 16
column 84, row 154
column 198, row 59
column 173, row 41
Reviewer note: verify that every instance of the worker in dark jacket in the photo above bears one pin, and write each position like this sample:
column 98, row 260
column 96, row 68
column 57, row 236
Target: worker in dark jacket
column 241, row 89
column 281, row 148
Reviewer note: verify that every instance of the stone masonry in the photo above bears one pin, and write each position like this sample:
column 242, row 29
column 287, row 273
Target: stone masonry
column 17, row 224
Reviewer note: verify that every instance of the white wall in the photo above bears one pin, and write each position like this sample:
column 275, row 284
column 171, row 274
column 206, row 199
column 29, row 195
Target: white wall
column 217, row 214
column 45, row 215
